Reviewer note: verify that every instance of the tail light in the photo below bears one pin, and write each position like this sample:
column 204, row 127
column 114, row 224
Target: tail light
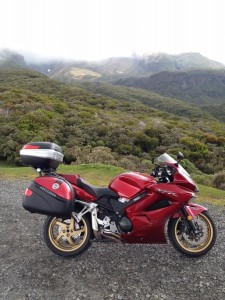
column 31, row 147
column 28, row 192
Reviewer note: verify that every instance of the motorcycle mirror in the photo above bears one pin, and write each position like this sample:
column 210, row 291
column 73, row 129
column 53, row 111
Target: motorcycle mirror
column 180, row 156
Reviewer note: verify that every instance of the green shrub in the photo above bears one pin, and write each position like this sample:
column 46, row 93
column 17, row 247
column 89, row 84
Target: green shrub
column 203, row 179
column 219, row 180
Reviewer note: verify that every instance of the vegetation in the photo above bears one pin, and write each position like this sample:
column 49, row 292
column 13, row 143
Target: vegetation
column 211, row 195
column 219, row 180
column 204, row 88
column 150, row 99
column 94, row 123
column 201, row 141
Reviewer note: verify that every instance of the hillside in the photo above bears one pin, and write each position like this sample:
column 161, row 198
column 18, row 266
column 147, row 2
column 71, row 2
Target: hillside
column 148, row 98
column 93, row 127
column 200, row 87
column 34, row 107
column 195, row 86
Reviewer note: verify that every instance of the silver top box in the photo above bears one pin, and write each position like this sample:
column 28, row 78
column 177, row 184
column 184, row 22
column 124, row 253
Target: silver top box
column 43, row 153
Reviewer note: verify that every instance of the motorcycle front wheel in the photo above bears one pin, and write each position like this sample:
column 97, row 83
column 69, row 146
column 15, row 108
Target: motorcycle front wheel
column 191, row 243
column 66, row 237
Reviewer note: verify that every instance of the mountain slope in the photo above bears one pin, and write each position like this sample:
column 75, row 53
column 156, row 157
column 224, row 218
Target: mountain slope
column 34, row 107
column 148, row 98
column 200, row 87
column 93, row 127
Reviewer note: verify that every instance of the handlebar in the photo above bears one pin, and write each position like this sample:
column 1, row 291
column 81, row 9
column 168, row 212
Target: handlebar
column 165, row 173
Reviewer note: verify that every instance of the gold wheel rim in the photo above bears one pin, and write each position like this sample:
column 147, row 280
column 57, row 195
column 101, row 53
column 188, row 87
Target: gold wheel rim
column 67, row 235
column 202, row 246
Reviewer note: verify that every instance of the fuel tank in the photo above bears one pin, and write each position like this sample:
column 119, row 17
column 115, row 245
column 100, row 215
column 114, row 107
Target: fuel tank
column 129, row 184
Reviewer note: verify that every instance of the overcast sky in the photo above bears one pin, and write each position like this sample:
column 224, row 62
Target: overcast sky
column 97, row 29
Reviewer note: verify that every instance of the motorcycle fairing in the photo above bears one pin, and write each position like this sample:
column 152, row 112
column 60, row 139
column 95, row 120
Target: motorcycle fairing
column 173, row 192
column 149, row 226
column 148, row 222
column 131, row 183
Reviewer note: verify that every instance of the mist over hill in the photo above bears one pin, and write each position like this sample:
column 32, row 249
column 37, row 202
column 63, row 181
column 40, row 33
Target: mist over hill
column 11, row 59
column 122, row 67
column 115, row 67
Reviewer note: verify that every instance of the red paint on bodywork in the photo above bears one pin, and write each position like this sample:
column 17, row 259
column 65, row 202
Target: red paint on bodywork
column 149, row 226
column 50, row 183
column 79, row 192
column 130, row 184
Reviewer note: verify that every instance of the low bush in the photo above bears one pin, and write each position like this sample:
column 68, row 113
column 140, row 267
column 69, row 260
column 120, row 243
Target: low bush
column 219, row 180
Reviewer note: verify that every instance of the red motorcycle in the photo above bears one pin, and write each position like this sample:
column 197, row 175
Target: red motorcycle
column 134, row 208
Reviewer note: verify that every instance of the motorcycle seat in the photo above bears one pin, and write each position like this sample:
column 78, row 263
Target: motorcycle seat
column 97, row 192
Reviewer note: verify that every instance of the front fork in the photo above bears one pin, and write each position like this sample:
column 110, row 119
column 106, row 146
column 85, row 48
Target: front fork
column 189, row 212
column 189, row 217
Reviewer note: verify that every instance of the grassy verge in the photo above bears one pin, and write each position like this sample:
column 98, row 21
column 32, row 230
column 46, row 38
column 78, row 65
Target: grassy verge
column 211, row 195
column 96, row 174
column 101, row 175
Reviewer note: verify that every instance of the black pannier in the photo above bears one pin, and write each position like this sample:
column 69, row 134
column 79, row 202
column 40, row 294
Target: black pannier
column 49, row 195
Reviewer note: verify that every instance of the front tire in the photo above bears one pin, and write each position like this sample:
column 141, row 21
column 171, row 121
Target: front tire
column 66, row 237
column 189, row 243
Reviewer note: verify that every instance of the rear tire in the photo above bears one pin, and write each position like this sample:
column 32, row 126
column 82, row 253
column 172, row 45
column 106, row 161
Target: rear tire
column 193, row 244
column 66, row 237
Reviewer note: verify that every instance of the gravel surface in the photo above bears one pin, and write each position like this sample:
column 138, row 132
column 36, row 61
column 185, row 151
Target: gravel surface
column 29, row 270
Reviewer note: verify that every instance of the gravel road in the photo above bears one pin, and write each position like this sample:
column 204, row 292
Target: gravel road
column 106, row 271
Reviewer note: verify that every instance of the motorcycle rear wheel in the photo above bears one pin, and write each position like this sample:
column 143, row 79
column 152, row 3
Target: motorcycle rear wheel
column 189, row 243
column 66, row 237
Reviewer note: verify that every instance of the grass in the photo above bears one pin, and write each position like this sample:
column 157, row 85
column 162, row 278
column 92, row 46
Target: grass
column 211, row 195
column 96, row 174
column 101, row 175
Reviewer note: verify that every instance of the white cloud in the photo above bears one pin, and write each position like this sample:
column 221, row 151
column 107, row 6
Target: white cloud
column 95, row 29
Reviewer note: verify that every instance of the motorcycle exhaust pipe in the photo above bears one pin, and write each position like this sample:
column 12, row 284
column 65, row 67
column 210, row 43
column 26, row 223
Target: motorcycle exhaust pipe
column 109, row 235
column 115, row 237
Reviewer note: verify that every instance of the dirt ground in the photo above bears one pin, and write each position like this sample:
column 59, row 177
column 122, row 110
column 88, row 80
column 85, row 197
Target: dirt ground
column 29, row 270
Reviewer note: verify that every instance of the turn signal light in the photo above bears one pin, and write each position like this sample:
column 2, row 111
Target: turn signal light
column 28, row 192
column 189, row 218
